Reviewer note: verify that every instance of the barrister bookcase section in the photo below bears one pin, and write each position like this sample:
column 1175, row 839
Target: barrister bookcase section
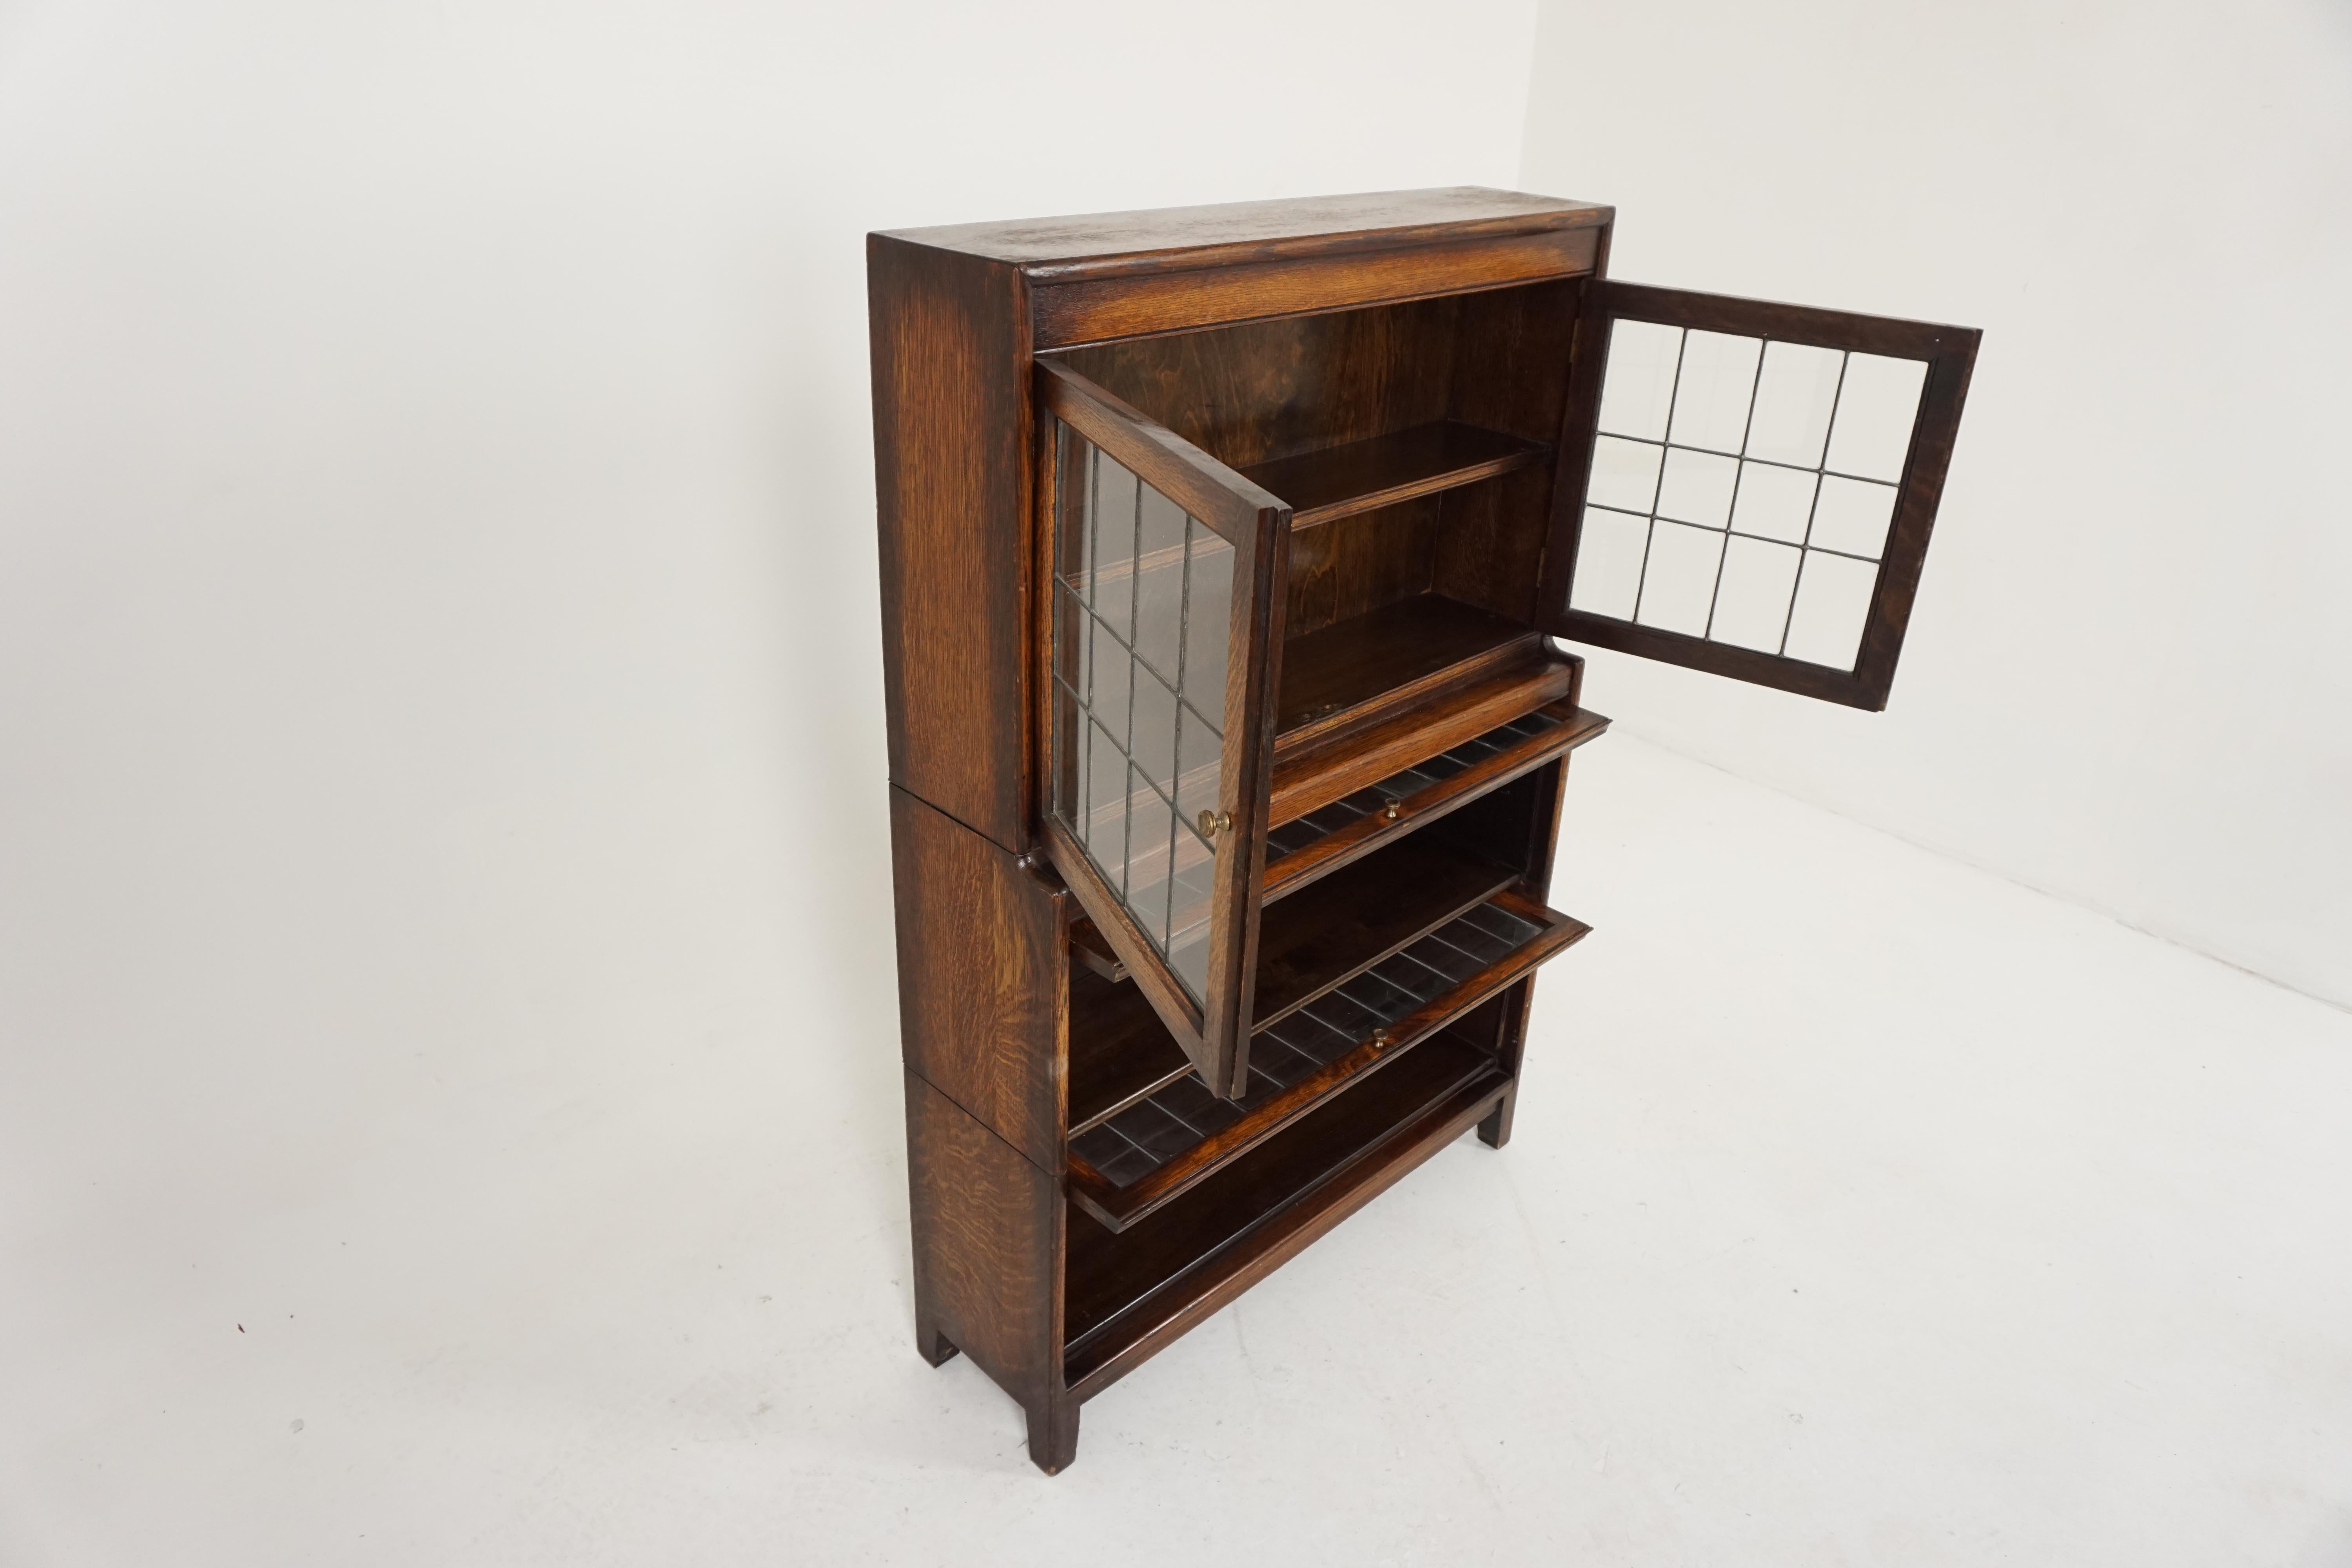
column 1228, row 556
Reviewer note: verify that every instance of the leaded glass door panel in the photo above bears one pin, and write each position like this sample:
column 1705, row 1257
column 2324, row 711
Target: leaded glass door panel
column 1752, row 485
column 1166, row 588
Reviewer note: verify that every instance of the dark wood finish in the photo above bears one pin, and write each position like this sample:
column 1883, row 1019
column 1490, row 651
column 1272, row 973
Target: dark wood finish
column 1387, row 403
column 1119, row 1050
column 989, row 1234
column 1543, row 848
column 1512, row 352
column 1528, row 678
column 1121, row 1206
column 1131, row 1292
column 1950, row 354
column 981, row 975
column 1202, row 239
column 1136, row 306
column 1381, row 558
column 1329, row 677
column 1351, row 919
column 951, row 494
column 1346, row 844
column 1264, row 391
column 1088, row 946
column 1340, row 481
column 1223, row 498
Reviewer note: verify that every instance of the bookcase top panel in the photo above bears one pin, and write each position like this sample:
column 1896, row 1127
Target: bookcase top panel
column 1176, row 239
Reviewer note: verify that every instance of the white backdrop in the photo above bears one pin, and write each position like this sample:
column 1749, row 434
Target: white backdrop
column 437, row 587
column 2128, row 678
column 444, row 888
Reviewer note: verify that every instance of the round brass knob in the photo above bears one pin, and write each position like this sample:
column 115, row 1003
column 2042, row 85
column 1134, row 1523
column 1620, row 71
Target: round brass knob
column 1215, row 822
column 1390, row 807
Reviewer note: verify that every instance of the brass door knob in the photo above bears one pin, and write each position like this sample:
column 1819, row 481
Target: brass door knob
column 1390, row 807
column 1215, row 822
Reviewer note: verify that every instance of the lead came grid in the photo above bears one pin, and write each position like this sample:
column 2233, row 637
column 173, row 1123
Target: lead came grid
column 1142, row 604
column 1742, row 488
column 1155, row 1130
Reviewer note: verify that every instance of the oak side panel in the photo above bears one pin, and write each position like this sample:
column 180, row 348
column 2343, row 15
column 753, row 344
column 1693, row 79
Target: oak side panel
column 951, row 492
column 983, row 993
column 989, row 1241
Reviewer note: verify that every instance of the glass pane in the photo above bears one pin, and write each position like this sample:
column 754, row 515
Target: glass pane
column 1150, row 856
column 1200, row 758
column 1102, row 828
column 1853, row 516
column 1678, row 585
column 1877, row 408
column 1142, row 621
column 1711, row 394
column 1752, row 603
column 1697, row 488
column 1110, row 524
column 1833, row 603
column 1637, row 391
column 1624, row 475
column 1208, row 623
column 1794, row 394
column 1774, row 503
column 1160, row 596
column 1609, row 563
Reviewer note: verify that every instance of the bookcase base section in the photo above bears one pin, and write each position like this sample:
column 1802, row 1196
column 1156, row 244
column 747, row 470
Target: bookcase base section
column 1056, row 1307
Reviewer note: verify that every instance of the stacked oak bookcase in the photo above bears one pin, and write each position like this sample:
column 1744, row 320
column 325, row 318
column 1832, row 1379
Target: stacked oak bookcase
column 1223, row 551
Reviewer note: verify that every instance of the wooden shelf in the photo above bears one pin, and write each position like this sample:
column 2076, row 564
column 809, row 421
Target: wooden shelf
column 1394, row 736
column 1355, row 668
column 1339, row 481
column 1163, row 1143
column 1352, row 920
column 1128, row 1293
column 1337, row 833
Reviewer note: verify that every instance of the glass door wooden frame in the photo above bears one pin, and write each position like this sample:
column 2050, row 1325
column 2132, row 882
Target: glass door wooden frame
column 1215, row 1033
column 1949, row 354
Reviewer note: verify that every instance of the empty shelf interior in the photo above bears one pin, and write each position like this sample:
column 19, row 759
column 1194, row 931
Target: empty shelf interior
column 1354, row 662
column 1358, row 476
column 1354, row 918
column 1119, row 1050
column 1314, row 845
column 1120, row 1286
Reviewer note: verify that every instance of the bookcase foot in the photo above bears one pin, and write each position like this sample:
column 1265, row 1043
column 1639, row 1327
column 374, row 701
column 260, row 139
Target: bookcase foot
column 931, row 1344
column 1496, row 1130
column 1053, row 1434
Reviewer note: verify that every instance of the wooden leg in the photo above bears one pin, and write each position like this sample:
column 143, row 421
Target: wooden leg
column 1496, row 1130
column 1053, row 1434
column 929, row 1343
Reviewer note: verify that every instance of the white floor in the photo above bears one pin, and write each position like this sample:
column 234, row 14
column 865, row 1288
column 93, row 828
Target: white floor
column 1863, row 1209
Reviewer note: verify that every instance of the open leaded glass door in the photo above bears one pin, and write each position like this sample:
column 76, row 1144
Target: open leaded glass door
column 1752, row 485
column 1167, row 572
